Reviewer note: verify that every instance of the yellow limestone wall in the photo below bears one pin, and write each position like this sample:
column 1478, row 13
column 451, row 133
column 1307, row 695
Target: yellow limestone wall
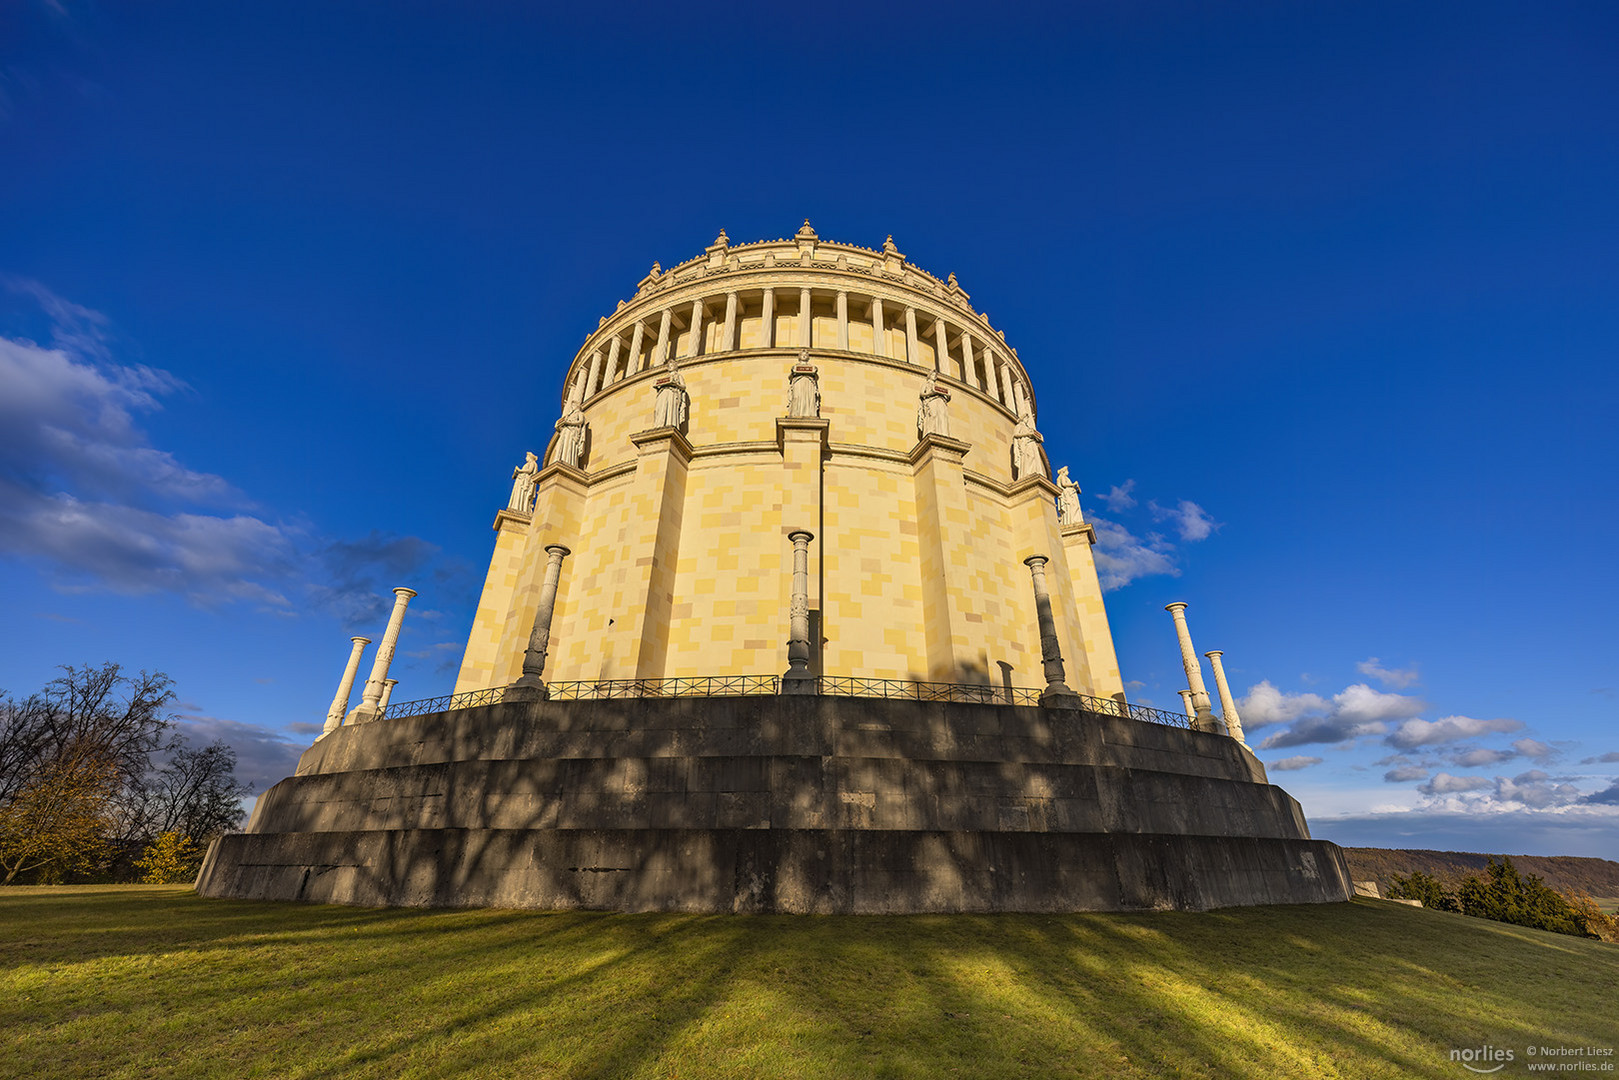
column 679, row 560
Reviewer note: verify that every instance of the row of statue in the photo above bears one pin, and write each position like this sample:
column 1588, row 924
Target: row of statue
column 672, row 408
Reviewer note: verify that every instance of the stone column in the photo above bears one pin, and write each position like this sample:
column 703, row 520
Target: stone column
column 345, row 687
column 843, row 320
column 1202, row 715
column 1008, row 398
column 1056, row 694
column 387, row 693
column 799, row 679
column 768, row 318
column 969, row 373
column 910, row 335
column 878, row 331
column 991, row 365
column 942, row 334
column 1228, row 704
column 696, row 345
column 1186, row 703
column 728, row 342
column 660, row 352
column 805, row 319
column 612, row 361
column 530, row 687
column 1021, row 397
column 595, row 373
column 633, row 364
column 367, row 709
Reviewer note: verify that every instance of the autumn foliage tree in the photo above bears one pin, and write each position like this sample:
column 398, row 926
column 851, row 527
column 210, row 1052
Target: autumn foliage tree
column 77, row 772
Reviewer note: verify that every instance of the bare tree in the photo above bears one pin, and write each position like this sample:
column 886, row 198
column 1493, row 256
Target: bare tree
column 66, row 754
column 194, row 793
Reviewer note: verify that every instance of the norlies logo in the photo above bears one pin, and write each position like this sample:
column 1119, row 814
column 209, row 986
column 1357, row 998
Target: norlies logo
column 1476, row 1058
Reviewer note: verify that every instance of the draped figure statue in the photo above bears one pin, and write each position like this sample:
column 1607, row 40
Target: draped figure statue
column 931, row 417
column 523, row 478
column 671, row 407
column 1026, row 448
column 1067, row 500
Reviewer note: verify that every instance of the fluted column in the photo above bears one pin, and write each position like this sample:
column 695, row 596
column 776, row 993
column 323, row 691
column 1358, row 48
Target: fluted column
column 530, row 686
column 1203, row 715
column 633, row 364
column 387, row 693
column 612, row 361
column 729, row 341
column 799, row 679
column 367, row 709
column 941, row 335
column 1008, row 398
column 879, row 332
column 696, row 345
column 1186, row 703
column 843, row 320
column 991, row 367
column 910, row 335
column 768, row 312
column 1056, row 694
column 660, row 351
column 345, row 687
column 805, row 319
column 1228, row 704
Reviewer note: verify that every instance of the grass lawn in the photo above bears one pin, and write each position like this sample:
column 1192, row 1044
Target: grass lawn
column 148, row 981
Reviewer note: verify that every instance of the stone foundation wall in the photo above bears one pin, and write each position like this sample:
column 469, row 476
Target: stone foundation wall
column 777, row 804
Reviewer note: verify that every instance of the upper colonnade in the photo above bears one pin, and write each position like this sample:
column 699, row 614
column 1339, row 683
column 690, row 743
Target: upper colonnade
column 801, row 293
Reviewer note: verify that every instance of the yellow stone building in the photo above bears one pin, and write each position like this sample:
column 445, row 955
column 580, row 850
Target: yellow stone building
column 684, row 459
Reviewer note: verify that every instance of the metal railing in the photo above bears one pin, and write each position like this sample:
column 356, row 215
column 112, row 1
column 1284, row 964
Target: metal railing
column 761, row 685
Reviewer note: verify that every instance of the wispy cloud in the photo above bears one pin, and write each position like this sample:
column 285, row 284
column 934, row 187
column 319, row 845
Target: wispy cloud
column 1190, row 520
column 1124, row 554
column 1399, row 678
column 1608, row 758
column 263, row 757
column 1445, row 784
column 1404, row 774
column 85, row 496
column 1415, row 733
column 1289, row 764
column 1118, row 497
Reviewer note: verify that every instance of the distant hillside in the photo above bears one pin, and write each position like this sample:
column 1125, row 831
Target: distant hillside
column 1565, row 873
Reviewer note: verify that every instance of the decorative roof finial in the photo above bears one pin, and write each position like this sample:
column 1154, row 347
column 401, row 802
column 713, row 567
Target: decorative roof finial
column 656, row 270
column 722, row 240
column 888, row 245
column 805, row 233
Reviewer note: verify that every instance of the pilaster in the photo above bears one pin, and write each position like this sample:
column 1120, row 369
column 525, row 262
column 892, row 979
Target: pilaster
column 944, row 539
column 1033, row 509
column 558, row 508
column 1095, row 636
column 505, row 566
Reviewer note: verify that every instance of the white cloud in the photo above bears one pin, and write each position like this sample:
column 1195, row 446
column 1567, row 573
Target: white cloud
column 1288, row 764
column 1445, row 784
column 1191, row 521
column 1536, row 790
column 1118, row 498
column 1535, row 750
column 1353, row 712
column 1404, row 774
column 84, row 495
column 1399, row 678
column 1414, row 733
column 1122, row 557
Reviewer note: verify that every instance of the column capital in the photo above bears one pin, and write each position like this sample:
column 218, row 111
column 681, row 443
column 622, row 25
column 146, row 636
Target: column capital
column 1036, row 560
column 800, row 534
column 1212, row 653
column 406, row 593
column 360, row 640
column 1177, row 607
column 557, row 551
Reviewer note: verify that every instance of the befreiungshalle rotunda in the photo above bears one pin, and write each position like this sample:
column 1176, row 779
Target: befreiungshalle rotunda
column 793, row 614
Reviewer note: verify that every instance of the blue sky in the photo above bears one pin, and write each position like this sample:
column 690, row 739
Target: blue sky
column 1319, row 302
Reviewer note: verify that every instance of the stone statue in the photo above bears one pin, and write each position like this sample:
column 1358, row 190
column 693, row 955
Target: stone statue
column 803, row 388
column 1067, row 500
column 931, row 418
column 669, row 410
column 1026, row 448
column 571, row 434
column 523, row 478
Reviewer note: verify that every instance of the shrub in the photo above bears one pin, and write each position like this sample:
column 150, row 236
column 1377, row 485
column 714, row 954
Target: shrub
column 171, row 859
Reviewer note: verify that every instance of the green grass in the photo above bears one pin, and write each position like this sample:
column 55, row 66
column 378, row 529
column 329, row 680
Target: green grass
column 148, row 981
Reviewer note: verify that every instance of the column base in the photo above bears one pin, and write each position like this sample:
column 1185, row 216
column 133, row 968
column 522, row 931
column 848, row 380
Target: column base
column 1208, row 722
column 527, row 688
column 361, row 714
column 796, row 682
column 1059, row 697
